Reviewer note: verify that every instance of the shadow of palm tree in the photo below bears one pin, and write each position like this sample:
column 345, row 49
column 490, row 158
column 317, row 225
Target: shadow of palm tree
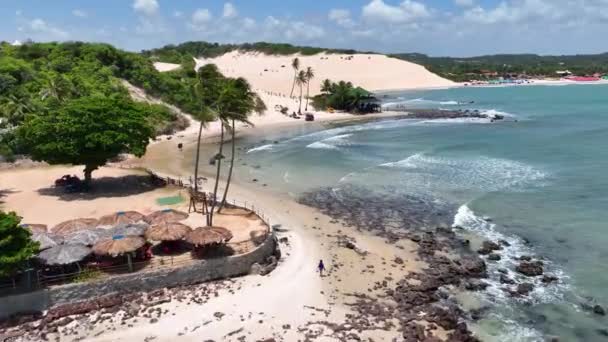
column 4, row 193
column 106, row 187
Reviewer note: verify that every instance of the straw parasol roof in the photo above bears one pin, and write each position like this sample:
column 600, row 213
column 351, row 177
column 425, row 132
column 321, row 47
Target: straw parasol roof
column 130, row 229
column 46, row 240
column 35, row 228
column 118, row 245
column 167, row 231
column 204, row 236
column 88, row 237
column 64, row 254
column 166, row 215
column 75, row 225
column 124, row 217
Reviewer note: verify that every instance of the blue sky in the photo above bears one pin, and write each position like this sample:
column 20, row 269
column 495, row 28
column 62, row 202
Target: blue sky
column 435, row 27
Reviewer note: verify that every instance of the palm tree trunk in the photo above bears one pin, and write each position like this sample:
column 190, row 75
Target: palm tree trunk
column 300, row 109
column 217, row 176
column 230, row 170
column 293, row 86
column 307, row 94
column 198, row 156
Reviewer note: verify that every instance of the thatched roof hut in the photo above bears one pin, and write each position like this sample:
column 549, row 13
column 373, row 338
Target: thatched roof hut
column 166, row 215
column 121, row 217
column 88, row 237
column 118, row 245
column 130, row 229
column 46, row 240
column 35, row 228
column 64, row 254
column 204, row 236
column 167, row 231
column 72, row 226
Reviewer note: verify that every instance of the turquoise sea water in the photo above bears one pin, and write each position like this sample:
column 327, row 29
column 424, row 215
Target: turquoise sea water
column 542, row 178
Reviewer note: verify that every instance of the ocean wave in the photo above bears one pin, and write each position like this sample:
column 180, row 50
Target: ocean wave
column 456, row 121
column 321, row 146
column 494, row 112
column 268, row 147
column 483, row 173
column 421, row 102
column 331, row 143
column 466, row 218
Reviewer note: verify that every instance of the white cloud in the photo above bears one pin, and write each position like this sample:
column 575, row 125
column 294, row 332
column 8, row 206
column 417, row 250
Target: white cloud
column 230, row 11
column 178, row 14
column 464, row 3
column 200, row 18
column 272, row 22
column 408, row 10
column 303, row 31
column 341, row 17
column 40, row 26
column 249, row 24
column 146, row 7
column 80, row 13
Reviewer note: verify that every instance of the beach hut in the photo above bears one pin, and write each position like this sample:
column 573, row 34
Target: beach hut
column 119, row 245
column 88, row 237
column 72, row 226
column 46, row 240
column 35, row 228
column 64, row 254
column 166, row 215
column 121, row 217
column 204, row 236
column 167, row 231
column 130, row 229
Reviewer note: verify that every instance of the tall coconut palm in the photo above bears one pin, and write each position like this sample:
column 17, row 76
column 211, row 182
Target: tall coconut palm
column 301, row 81
column 326, row 86
column 295, row 64
column 206, row 90
column 310, row 75
column 14, row 109
column 247, row 103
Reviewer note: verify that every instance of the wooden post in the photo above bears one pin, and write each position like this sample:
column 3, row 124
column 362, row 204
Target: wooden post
column 129, row 262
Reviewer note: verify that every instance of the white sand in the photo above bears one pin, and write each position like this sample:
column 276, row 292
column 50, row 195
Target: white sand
column 163, row 67
column 373, row 72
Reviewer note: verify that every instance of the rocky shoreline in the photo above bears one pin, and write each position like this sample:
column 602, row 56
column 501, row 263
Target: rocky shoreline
column 432, row 114
column 425, row 294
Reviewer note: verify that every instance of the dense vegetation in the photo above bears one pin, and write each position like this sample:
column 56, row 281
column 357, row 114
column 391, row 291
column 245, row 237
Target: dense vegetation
column 344, row 96
column 186, row 51
column 41, row 78
column 16, row 245
column 466, row 69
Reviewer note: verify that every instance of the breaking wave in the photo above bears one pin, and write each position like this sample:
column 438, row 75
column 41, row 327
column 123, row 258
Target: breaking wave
column 261, row 148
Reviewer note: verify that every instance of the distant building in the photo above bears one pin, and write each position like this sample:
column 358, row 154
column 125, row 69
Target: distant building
column 16, row 43
column 563, row 73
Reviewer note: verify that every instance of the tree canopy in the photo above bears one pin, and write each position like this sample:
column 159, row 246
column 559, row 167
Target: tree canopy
column 16, row 245
column 88, row 131
column 343, row 96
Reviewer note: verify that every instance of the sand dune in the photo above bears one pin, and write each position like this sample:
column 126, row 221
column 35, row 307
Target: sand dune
column 274, row 73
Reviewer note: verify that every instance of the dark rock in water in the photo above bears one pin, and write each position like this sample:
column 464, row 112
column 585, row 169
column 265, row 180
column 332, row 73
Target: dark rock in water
column 599, row 310
column 461, row 334
column 494, row 257
column 525, row 258
column 474, row 268
column 488, row 247
column 602, row 332
column 524, row 289
column 503, row 270
column 475, row 285
column 504, row 243
column 530, row 269
column 548, row 279
column 506, row 280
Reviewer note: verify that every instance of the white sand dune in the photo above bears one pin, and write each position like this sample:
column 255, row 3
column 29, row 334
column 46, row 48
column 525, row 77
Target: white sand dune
column 164, row 67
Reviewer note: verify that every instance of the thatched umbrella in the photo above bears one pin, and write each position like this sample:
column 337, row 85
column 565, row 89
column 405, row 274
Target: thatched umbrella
column 64, row 254
column 121, row 217
column 88, row 237
column 130, row 229
column 46, row 240
column 119, row 245
column 166, row 215
column 35, row 228
column 167, row 231
column 75, row 225
column 204, row 236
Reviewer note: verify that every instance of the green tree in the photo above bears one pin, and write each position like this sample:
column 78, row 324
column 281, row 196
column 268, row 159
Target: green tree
column 326, row 86
column 16, row 245
column 243, row 103
column 310, row 75
column 88, row 131
column 295, row 64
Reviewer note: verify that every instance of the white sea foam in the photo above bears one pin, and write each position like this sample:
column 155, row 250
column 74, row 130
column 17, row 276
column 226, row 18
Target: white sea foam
column 331, row 143
column 319, row 145
column 456, row 121
column 494, row 112
column 268, row 147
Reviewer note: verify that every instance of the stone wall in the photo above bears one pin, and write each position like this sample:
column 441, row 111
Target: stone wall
column 199, row 272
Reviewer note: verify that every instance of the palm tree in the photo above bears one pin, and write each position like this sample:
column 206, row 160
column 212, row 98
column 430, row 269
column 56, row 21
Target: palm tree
column 326, row 86
column 295, row 64
column 310, row 74
column 249, row 102
column 301, row 81
column 14, row 109
column 56, row 87
column 206, row 90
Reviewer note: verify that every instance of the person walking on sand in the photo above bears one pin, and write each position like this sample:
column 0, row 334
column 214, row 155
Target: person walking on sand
column 321, row 267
